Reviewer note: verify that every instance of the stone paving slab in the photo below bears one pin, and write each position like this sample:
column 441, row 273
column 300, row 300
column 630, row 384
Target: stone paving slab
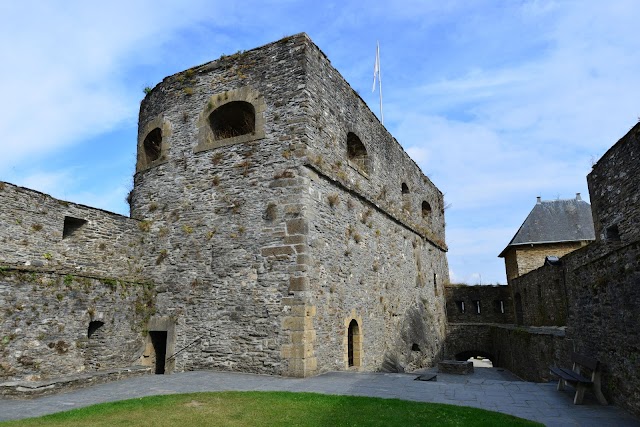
column 538, row 402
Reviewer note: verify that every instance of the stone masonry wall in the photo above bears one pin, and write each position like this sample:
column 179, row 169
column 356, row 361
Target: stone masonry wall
column 495, row 304
column 529, row 351
column 45, row 319
column 528, row 258
column 224, row 216
column 336, row 110
column 600, row 281
column 256, row 269
column 526, row 351
column 376, row 234
column 231, row 221
column 369, row 268
column 614, row 190
column 466, row 340
column 604, row 294
column 542, row 296
column 31, row 232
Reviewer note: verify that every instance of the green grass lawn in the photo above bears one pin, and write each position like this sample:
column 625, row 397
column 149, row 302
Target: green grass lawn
column 271, row 409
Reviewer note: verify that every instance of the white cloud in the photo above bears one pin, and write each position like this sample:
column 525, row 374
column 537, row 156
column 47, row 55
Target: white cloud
column 63, row 78
column 498, row 104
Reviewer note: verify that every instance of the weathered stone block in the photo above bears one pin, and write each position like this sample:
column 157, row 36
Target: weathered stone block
column 278, row 250
column 298, row 283
column 297, row 226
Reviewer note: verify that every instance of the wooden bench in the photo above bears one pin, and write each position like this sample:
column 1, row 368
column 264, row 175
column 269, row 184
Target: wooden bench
column 581, row 383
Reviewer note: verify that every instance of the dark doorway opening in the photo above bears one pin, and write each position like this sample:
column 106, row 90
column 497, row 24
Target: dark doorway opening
column 159, row 342
column 353, row 344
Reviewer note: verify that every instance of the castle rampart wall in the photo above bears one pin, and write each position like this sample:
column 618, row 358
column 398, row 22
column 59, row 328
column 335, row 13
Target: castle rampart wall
column 614, row 190
column 598, row 284
column 495, row 304
column 40, row 231
column 540, row 297
column 53, row 324
column 603, row 295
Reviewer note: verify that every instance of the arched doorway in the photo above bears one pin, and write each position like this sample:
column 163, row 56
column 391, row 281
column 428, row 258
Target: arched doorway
column 482, row 359
column 353, row 344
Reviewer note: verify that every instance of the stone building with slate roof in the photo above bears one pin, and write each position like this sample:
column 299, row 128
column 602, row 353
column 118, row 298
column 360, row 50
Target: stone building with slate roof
column 552, row 228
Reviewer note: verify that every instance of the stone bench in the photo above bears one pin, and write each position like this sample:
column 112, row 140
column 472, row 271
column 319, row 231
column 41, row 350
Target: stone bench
column 458, row 367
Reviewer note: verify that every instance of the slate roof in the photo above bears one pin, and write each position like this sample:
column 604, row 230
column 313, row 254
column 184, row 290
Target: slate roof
column 554, row 221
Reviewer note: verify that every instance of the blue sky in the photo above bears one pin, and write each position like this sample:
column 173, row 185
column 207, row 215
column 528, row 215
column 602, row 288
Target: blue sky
column 497, row 101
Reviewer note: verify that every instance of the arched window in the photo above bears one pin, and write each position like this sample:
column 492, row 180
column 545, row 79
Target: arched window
column 353, row 344
column 357, row 153
column 426, row 209
column 152, row 145
column 405, row 188
column 233, row 119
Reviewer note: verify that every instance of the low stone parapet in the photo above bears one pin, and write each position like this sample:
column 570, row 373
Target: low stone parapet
column 458, row 367
column 30, row 389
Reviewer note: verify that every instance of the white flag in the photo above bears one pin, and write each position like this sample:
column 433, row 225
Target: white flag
column 376, row 67
column 377, row 74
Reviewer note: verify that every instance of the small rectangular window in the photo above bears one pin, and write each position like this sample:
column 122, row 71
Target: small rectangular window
column 498, row 306
column 477, row 304
column 71, row 226
column 612, row 233
column 435, row 283
column 460, row 305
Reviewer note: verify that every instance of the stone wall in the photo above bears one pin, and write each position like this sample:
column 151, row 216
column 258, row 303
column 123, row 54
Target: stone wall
column 603, row 323
column 248, row 233
column 365, row 266
column 529, row 351
column 599, row 282
column 41, row 231
column 465, row 340
column 614, row 190
column 495, row 304
column 376, row 234
column 46, row 327
column 540, row 297
column 224, row 214
column 526, row 351
column 276, row 216
column 391, row 180
column 520, row 260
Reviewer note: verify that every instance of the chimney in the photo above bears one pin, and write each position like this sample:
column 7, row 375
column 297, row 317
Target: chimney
column 578, row 196
column 539, row 200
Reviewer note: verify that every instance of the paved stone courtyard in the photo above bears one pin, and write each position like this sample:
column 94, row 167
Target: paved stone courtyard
column 487, row 388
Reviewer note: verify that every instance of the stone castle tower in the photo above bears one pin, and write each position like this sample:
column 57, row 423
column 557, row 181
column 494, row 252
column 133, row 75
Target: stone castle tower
column 282, row 229
column 299, row 236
